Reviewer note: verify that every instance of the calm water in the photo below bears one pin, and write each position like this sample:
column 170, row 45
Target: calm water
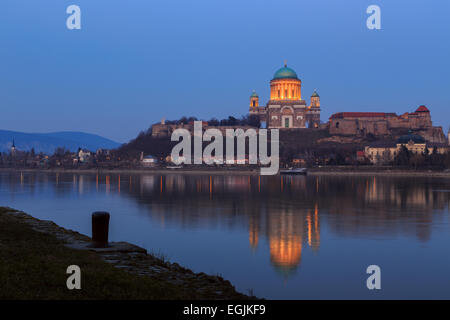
column 282, row 237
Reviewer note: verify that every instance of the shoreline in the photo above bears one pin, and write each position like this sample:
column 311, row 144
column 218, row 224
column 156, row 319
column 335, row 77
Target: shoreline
column 129, row 264
column 324, row 171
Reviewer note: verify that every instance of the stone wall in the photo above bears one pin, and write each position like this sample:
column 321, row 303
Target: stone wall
column 433, row 134
column 164, row 130
column 382, row 124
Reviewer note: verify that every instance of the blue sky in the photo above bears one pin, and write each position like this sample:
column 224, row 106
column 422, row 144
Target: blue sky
column 134, row 62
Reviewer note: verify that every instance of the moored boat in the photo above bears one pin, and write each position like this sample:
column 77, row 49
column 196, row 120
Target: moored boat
column 301, row 171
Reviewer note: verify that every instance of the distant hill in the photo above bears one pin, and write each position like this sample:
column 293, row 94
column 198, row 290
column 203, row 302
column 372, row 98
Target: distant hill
column 48, row 142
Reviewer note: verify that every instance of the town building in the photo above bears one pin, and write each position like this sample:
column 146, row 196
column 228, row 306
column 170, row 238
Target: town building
column 83, row 155
column 148, row 160
column 286, row 108
column 383, row 152
column 13, row 148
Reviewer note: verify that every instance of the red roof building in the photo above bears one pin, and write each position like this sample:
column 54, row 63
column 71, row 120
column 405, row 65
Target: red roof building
column 342, row 115
column 422, row 109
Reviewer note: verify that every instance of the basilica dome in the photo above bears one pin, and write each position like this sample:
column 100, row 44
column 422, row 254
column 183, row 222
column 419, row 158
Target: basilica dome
column 285, row 73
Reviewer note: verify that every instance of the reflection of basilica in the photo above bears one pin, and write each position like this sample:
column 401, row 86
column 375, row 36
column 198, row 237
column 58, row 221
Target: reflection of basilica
column 287, row 230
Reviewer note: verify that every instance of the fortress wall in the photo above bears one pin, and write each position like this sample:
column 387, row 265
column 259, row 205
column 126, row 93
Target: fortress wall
column 163, row 130
column 434, row 135
column 411, row 121
column 343, row 126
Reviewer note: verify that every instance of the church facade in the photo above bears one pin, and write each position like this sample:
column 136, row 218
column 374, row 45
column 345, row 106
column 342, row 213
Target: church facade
column 286, row 109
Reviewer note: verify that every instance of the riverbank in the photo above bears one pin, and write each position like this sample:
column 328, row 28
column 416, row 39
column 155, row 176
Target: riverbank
column 316, row 171
column 376, row 171
column 35, row 255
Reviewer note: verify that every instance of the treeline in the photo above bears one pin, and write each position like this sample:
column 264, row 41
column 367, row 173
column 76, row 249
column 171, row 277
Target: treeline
column 423, row 160
column 248, row 120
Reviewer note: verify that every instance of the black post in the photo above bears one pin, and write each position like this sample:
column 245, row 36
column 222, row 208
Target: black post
column 100, row 226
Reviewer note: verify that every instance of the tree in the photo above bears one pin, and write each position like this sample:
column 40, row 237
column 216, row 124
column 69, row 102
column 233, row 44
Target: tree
column 213, row 122
column 403, row 156
column 447, row 160
column 417, row 160
column 254, row 121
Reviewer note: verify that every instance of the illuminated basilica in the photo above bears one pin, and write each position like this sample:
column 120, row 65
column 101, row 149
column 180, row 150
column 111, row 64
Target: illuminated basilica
column 286, row 109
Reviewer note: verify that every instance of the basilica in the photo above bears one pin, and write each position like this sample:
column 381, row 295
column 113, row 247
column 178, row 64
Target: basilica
column 286, row 108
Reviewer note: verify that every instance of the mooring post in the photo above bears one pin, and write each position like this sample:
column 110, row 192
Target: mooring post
column 100, row 226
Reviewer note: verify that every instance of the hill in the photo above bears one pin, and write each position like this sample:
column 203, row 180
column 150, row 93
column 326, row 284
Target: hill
column 48, row 142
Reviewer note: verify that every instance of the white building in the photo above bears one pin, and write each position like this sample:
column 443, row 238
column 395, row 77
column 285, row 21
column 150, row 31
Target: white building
column 149, row 160
column 84, row 155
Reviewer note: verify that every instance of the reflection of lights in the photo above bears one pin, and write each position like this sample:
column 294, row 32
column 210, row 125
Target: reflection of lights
column 118, row 184
column 210, row 187
column 286, row 252
column 253, row 235
column 81, row 184
column 107, row 184
column 308, row 220
column 316, row 216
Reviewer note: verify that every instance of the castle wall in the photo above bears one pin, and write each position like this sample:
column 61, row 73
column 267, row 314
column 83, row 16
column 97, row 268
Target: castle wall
column 164, row 130
column 434, row 135
column 378, row 124
column 343, row 126
column 411, row 121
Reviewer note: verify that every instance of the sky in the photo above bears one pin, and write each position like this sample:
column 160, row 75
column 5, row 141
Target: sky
column 133, row 63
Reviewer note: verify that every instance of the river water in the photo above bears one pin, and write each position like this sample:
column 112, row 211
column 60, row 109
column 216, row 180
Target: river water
column 279, row 237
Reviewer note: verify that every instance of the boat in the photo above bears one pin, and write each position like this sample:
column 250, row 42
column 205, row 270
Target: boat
column 293, row 171
column 174, row 167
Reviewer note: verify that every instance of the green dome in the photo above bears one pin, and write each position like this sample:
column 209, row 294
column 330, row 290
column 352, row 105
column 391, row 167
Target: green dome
column 254, row 94
column 315, row 94
column 285, row 73
column 414, row 137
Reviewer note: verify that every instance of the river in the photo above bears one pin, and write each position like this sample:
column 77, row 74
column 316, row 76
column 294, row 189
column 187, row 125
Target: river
column 278, row 237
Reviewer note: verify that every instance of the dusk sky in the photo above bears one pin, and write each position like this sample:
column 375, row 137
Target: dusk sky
column 135, row 62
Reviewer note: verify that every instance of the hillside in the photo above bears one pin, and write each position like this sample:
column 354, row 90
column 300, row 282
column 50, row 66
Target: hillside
column 292, row 142
column 48, row 142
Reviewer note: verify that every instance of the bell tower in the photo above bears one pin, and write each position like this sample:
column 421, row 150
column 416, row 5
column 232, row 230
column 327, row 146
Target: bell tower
column 254, row 102
column 315, row 100
column 13, row 148
column 313, row 111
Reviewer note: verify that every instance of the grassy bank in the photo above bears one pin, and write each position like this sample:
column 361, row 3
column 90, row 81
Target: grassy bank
column 33, row 266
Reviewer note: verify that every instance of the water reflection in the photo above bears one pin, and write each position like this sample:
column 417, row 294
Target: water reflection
column 286, row 212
